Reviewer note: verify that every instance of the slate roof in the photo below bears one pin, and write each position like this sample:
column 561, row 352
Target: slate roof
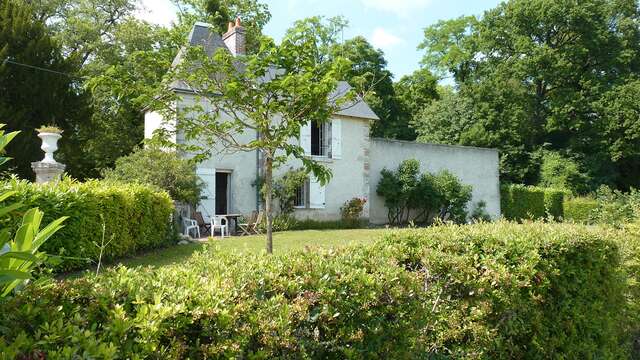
column 203, row 34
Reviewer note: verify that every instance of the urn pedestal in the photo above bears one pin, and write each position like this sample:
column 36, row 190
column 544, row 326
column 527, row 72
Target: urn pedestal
column 48, row 169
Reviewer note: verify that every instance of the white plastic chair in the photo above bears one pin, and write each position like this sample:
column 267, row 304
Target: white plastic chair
column 190, row 224
column 219, row 222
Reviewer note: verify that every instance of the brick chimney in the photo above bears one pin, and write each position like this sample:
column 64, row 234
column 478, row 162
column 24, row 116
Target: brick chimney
column 235, row 38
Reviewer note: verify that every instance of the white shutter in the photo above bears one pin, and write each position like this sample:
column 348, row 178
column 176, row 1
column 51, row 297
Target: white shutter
column 208, row 197
column 305, row 138
column 316, row 194
column 336, row 138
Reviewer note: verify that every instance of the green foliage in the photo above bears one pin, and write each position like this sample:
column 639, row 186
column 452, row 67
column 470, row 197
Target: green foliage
column 480, row 212
column 446, row 121
column 370, row 69
column 285, row 188
column 542, row 74
column 484, row 291
column 619, row 111
column 137, row 217
column 615, row 207
column 500, row 290
column 520, row 202
column 19, row 256
column 352, row 209
column 580, row 209
column 427, row 198
column 31, row 98
column 560, row 172
column 5, row 139
column 630, row 250
column 311, row 224
column 554, row 202
column 161, row 168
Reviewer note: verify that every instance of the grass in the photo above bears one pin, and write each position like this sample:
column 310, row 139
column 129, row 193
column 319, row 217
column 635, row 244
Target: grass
column 282, row 242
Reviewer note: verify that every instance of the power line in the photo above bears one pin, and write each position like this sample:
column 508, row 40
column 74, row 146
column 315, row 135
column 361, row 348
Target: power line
column 7, row 61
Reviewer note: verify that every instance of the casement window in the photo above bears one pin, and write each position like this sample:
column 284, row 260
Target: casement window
column 311, row 195
column 322, row 140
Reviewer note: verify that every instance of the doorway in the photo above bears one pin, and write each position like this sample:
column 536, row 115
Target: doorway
column 222, row 193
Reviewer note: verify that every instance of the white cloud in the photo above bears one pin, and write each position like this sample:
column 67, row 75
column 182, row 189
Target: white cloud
column 381, row 38
column 402, row 8
column 161, row 12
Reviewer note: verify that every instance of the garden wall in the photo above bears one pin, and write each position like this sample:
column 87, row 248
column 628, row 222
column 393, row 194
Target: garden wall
column 478, row 167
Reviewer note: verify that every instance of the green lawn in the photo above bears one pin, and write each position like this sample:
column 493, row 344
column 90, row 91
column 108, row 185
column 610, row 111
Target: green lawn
column 282, row 242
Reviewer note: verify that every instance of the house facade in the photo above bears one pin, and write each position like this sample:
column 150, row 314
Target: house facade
column 342, row 145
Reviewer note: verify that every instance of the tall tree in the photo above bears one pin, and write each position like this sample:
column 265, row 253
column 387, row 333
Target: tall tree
column 413, row 93
column 536, row 70
column 369, row 69
column 35, row 85
column 272, row 92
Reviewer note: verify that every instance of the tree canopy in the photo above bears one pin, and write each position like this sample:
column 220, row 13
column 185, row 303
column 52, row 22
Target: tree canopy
column 544, row 73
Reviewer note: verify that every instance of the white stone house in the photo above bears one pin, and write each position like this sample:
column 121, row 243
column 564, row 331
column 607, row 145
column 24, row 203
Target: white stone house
column 343, row 145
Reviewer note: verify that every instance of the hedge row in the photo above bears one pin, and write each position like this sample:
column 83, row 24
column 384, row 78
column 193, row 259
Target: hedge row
column 484, row 291
column 135, row 217
column 520, row 202
column 580, row 209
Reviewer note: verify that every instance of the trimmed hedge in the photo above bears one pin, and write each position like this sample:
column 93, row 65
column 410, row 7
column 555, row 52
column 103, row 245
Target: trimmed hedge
column 521, row 202
column 580, row 209
column 630, row 249
column 493, row 290
column 136, row 217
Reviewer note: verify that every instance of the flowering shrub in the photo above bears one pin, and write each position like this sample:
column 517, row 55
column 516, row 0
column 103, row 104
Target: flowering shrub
column 352, row 209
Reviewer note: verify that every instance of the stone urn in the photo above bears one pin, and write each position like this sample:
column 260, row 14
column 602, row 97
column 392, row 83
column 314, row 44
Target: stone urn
column 48, row 169
column 49, row 145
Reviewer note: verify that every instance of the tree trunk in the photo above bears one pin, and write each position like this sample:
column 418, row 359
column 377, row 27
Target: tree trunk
column 268, row 183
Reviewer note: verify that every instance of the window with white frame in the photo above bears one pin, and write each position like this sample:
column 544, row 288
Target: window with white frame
column 310, row 195
column 300, row 200
column 319, row 139
column 322, row 139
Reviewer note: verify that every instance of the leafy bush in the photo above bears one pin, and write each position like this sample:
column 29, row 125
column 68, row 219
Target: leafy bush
column 409, row 196
column 615, row 207
column 580, row 209
column 352, row 209
column 480, row 212
column 630, row 249
column 499, row 290
column 160, row 168
column 311, row 224
column 560, row 172
column 285, row 188
column 520, row 202
column 495, row 290
column 554, row 202
column 137, row 217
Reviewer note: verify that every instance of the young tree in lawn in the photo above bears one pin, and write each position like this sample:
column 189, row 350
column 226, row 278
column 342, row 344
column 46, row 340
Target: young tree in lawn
column 272, row 93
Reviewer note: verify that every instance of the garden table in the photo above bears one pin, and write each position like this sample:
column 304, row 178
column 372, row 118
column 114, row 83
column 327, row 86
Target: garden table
column 233, row 217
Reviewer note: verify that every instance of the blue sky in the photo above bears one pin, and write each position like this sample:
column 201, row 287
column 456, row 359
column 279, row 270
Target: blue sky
column 395, row 26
